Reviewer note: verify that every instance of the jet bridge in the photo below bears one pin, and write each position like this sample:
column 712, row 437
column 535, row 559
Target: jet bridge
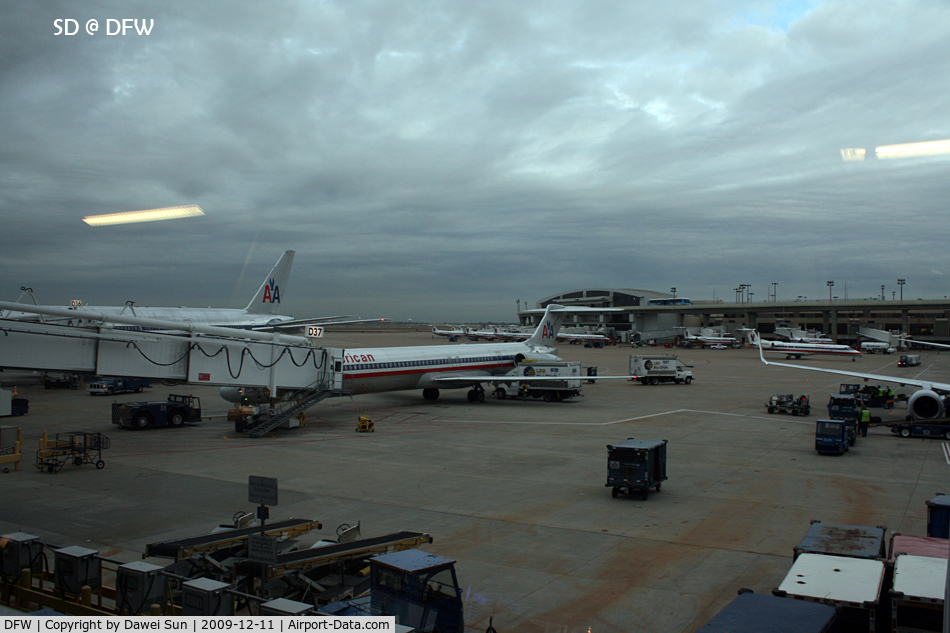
column 173, row 351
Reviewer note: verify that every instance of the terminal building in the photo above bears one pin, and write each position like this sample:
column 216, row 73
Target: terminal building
column 644, row 314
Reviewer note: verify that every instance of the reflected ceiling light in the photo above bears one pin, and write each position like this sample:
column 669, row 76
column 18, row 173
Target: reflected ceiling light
column 905, row 150
column 152, row 215
column 852, row 154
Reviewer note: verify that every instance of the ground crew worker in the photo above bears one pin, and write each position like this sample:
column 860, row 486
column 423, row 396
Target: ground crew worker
column 524, row 392
column 864, row 419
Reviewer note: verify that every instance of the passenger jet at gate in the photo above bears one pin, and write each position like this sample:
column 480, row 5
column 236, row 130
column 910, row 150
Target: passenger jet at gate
column 435, row 367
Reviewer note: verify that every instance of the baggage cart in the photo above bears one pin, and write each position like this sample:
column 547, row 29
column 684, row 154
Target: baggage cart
column 635, row 466
column 77, row 447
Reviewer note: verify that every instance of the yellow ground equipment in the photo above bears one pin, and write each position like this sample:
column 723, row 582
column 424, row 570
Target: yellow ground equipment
column 365, row 425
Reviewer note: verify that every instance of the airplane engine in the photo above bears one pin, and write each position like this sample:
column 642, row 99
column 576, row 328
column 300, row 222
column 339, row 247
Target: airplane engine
column 530, row 358
column 246, row 395
column 926, row 405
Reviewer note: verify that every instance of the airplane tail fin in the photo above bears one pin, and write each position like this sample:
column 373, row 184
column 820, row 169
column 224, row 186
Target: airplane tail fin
column 546, row 334
column 268, row 297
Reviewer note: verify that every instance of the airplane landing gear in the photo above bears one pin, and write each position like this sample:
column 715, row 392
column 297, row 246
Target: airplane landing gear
column 476, row 395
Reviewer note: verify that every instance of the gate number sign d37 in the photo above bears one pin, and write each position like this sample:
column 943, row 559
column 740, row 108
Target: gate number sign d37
column 314, row 331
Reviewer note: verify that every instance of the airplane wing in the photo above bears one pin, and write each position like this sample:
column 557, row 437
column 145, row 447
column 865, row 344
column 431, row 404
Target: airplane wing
column 923, row 384
column 910, row 340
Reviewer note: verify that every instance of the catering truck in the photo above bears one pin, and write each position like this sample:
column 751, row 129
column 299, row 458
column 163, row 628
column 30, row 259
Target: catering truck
column 550, row 390
column 652, row 370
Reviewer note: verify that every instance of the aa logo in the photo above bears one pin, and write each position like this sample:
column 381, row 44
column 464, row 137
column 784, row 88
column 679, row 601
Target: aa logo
column 547, row 331
column 271, row 292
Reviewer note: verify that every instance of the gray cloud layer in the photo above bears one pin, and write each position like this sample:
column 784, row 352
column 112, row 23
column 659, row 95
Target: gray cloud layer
column 438, row 160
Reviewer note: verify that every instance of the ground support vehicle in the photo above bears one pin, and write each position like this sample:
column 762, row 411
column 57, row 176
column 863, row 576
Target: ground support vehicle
column 923, row 428
column 909, row 360
column 11, row 405
column 832, row 437
column 837, row 539
column 77, row 447
column 109, row 386
column 875, row 397
column 845, row 407
column 788, row 403
column 652, row 370
column 57, row 380
column 635, row 466
column 172, row 412
column 550, row 390
column 420, row 589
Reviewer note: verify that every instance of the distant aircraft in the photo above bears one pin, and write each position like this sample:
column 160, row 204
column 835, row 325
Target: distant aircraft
column 452, row 335
column 707, row 340
column 927, row 403
column 797, row 350
column 261, row 313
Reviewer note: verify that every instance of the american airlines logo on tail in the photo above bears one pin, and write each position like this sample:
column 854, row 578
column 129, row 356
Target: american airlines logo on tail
column 548, row 331
column 271, row 292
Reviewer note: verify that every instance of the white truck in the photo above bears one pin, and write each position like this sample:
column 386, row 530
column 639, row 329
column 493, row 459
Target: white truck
column 550, row 390
column 652, row 370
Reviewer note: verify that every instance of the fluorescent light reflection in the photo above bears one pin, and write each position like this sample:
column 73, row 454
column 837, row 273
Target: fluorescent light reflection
column 906, row 150
column 151, row 215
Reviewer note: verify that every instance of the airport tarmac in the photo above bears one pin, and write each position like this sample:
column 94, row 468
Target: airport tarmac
column 513, row 490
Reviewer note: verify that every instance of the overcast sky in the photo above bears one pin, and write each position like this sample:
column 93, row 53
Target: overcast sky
column 439, row 160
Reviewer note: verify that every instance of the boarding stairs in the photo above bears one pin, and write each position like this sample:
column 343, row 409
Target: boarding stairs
column 266, row 421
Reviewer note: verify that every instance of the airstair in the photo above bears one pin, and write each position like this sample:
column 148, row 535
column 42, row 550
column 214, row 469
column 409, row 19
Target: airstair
column 268, row 420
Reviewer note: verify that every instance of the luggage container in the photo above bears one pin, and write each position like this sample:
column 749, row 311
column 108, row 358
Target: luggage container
column 834, row 539
column 938, row 517
column 917, row 594
column 851, row 584
column 635, row 466
column 917, row 546
column 754, row 612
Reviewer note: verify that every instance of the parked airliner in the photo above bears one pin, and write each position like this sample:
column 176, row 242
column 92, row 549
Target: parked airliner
column 260, row 313
column 435, row 367
column 797, row 350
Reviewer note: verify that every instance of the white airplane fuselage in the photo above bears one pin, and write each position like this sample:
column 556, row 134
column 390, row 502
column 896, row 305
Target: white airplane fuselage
column 371, row 370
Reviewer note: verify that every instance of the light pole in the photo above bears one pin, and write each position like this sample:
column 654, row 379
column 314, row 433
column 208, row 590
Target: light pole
column 775, row 292
column 901, row 282
column 882, row 292
column 830, row 285
column 673, row 290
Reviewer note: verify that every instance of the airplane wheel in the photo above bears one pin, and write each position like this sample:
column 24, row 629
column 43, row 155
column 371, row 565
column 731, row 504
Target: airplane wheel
column 471, row 396
column 479, row 396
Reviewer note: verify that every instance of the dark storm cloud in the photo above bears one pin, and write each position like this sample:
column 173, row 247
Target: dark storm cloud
column 439, row 160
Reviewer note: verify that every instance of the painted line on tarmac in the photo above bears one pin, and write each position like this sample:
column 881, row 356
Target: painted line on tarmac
column 636, row 419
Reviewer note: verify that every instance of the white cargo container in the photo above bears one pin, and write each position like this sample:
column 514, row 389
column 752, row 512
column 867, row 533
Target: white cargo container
column 651, row 370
